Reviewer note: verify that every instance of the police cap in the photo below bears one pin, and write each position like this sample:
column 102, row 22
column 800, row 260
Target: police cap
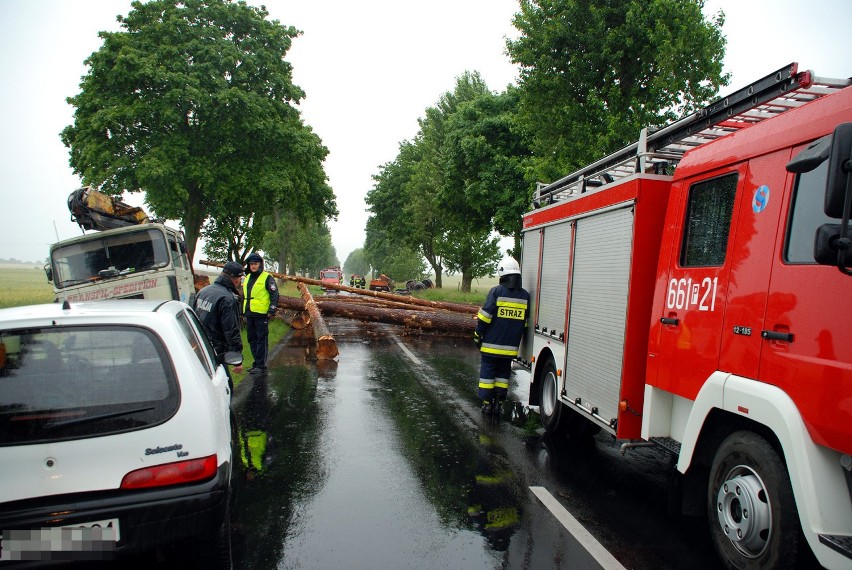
column 233, row 269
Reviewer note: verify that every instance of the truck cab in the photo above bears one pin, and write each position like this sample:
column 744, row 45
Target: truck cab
column 146, row 261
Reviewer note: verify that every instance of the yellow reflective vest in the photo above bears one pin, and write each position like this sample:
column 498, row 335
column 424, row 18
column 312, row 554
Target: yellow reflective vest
column 259, row 294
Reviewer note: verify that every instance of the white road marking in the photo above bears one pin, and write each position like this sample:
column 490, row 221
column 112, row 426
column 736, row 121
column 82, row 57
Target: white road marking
column 586, row 540
column 408, row 353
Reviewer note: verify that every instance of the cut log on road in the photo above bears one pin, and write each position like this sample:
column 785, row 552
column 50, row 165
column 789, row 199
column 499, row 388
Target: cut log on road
column 354, row 300
column 326, row 345
column 456, row 324
column 457, row 307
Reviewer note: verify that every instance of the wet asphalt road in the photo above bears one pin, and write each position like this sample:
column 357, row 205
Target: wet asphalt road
column 381, row 459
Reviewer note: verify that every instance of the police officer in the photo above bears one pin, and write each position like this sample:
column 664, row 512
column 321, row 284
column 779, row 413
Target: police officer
column 260, row 301
column 500, row 327
column 218, row 309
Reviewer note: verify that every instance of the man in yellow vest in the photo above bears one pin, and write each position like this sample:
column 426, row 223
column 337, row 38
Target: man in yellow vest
column 260, row 301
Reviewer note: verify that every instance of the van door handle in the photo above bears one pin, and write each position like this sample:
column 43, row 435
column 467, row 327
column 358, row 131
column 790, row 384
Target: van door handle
column 670, row 321
column 774, row 335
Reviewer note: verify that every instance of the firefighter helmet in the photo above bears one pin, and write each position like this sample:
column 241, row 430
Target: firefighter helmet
column 508, row 266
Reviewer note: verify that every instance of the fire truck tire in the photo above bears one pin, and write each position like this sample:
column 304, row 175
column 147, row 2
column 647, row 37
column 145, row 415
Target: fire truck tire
column 753, row 518
column 550, row 408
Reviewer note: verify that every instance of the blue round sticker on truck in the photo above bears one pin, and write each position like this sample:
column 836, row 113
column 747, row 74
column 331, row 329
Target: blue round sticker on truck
column 761, row 199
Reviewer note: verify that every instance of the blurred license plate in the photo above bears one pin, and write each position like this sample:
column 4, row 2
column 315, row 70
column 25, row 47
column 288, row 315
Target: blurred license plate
column 109, row 529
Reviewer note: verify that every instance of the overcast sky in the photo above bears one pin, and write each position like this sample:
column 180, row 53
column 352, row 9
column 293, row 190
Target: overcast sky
column 369, row 70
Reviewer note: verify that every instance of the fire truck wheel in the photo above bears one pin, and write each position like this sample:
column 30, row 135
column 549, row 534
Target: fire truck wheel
column 753, row 518
column 550, row 408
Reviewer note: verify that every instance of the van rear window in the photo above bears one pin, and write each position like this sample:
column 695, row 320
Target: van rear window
column 70, row 382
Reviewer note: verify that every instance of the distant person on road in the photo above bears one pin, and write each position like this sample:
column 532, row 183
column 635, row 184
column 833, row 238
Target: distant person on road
column 218, row 309
column 260, row 301
column 500, row 326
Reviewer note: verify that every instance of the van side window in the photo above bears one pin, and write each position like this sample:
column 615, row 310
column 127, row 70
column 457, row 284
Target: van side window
column 708, row 222
column 195, row 341
column 806, row 215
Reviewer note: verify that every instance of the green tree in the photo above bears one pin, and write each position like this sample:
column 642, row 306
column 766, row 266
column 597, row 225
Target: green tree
column 357, row 262
column 230, row 238
column 379, row 244
column 473, row 252
column 193, row 103
column 403, row 264
column 593, row 73
column 403, row 202
column 299, row 246
column 484, row 161
column 454, row 161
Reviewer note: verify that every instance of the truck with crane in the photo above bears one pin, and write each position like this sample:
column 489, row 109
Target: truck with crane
column 691, row 292
column 128, row 257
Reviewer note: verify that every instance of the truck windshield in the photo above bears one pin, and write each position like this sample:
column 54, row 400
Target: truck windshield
column 105, row 257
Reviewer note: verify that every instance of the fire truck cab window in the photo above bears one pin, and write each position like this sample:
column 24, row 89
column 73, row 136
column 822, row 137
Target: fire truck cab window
column 806, row 215
column 708, row 222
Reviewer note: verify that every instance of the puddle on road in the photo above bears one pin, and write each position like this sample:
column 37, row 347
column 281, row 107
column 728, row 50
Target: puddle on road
column 358, row 465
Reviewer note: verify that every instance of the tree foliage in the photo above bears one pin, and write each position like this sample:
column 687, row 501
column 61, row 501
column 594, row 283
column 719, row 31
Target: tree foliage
column 484, row 157
column 299, row 246
column 193, row 103
column 357, row 262
column 593, row 74
column 230, row 238
column 444, row 191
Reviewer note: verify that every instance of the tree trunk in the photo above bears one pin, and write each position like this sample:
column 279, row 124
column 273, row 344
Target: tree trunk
column 456, row 307
column 446, row 322
column 326, row 345
column 192, row 221
column 467, row 279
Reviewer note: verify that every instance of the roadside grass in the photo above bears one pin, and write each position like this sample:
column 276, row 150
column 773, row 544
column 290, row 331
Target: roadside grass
column 451, row 290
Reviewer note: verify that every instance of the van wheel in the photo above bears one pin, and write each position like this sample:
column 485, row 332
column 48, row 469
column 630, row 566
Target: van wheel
column 550, row 408
column 752, row 513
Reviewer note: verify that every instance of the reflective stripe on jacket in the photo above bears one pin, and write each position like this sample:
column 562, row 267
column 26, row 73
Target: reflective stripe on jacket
column 501, row 321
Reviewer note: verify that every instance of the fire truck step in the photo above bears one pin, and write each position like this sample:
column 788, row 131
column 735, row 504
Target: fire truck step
column 667, row 443
column 842, row 544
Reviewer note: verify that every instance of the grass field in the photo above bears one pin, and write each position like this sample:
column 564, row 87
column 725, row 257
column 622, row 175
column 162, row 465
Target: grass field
column 23, row 284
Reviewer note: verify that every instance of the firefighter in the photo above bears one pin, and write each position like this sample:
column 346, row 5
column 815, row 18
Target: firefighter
column 260, row 301
column 500, row 327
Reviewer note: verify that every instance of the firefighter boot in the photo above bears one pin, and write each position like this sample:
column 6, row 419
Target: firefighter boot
column 486, row 407
column 498, row 406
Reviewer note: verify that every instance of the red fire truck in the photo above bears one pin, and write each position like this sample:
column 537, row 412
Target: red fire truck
column 690, row 291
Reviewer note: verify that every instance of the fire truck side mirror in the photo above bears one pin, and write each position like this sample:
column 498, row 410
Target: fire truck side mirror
column 828, row 245
column 48, row 271
column 839, row 171
column 812, row 156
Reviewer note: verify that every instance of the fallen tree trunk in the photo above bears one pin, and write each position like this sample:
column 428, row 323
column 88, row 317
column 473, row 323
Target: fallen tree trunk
column 353, row 300
column 326, row 345
column 456, row 307
column 448, row 322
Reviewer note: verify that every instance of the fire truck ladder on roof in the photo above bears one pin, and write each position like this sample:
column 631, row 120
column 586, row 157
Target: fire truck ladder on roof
column 658, row 152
